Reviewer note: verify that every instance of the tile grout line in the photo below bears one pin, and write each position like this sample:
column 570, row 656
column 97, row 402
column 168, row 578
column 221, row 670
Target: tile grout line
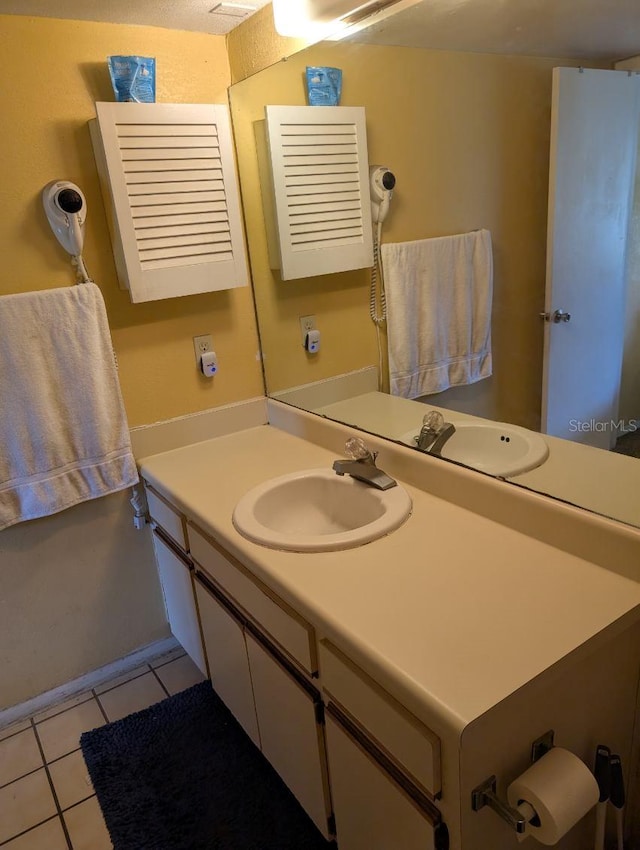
column 13, row 734
column 164, row 663
column 79, row 803
column 26, row 831
column 59, row 758
column 22, row 776
column 100, row 706
column 51, row 785
column 58, row 713
column 150, row 669
column 119, row 685
column 161, row 683
column 43, row 720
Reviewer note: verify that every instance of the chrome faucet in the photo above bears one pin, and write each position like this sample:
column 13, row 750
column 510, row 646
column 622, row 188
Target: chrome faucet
column 360, row 463
column 434, row 433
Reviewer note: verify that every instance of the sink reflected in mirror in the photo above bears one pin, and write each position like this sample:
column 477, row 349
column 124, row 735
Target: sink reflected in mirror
column 316, row 510
column 492, row 447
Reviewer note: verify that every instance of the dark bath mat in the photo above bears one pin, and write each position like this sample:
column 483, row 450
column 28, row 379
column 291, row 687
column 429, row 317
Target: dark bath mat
column 183, row 775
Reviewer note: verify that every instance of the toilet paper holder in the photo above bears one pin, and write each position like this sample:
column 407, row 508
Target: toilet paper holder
column 485, row 793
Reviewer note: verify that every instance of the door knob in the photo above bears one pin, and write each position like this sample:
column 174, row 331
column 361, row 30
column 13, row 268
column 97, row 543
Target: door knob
column 556, row 317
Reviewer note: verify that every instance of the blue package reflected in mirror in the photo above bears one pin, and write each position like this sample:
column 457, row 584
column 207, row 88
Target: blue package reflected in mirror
column 324, row 86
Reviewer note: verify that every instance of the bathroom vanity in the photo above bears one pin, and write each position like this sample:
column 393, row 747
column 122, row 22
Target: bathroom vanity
column 386, row 682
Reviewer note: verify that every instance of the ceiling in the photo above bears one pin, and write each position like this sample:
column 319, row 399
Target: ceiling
column 211, row 16
column 606, row 30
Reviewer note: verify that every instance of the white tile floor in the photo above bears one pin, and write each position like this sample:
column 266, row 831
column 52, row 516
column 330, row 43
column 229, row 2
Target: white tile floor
column 47, row 801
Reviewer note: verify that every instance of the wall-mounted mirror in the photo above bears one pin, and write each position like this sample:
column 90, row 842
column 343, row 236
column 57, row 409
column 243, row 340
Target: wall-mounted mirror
column 458, row 105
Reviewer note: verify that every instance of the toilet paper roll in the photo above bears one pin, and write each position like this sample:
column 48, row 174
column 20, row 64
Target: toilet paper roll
column 561, row 789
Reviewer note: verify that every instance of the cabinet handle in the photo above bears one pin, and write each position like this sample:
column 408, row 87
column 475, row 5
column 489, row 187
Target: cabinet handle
column 182, row 556
column 419, row 798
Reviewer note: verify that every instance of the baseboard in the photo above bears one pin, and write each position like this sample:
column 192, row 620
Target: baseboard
column 86, row 682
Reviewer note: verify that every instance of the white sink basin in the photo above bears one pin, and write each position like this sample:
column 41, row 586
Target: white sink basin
column 317, row 510
column 493, row 447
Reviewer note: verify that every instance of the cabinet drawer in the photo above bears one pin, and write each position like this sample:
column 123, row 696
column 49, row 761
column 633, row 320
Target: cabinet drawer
column 167, row 517
column 273, row 615
column 407, row 741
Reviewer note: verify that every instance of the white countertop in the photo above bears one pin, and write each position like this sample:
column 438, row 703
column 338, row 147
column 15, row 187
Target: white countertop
column 452, row 612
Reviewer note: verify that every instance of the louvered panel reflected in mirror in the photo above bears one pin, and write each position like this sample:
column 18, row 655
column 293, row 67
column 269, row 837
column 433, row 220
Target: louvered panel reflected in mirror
column 318, row 171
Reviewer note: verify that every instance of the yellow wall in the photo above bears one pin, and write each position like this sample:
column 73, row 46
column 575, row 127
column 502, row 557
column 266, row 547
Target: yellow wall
column 467, row 136
column 255, row 45
column 52, row 72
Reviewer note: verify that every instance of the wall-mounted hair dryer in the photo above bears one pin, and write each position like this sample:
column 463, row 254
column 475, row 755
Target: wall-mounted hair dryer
column 66, row 209
column 381, row 183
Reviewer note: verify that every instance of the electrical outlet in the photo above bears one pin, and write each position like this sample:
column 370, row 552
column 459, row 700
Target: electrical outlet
column 202, row 344
column 307, row 323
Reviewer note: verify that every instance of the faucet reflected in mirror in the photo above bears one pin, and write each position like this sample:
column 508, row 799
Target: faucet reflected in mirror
column 468, row 137
column 434, row 433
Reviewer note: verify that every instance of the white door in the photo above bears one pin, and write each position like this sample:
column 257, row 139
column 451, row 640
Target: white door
column 594, row 139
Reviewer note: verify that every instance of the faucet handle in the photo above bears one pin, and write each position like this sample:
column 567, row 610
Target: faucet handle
column 356, row 449
column 433, row 420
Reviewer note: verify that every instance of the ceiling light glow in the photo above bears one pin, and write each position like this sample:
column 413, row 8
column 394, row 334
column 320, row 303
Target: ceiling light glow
column 312, row 19
column 332, row 19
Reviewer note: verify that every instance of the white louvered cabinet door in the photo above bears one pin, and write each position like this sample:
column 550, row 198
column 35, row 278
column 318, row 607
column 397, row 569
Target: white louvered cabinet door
column 320, row 183
column 168, row 172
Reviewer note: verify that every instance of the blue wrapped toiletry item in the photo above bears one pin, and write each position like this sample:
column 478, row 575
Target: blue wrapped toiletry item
column 324, row 86
column 133, row 78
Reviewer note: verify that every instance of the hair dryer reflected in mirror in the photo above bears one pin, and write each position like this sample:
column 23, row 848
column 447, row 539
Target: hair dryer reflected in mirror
column 381, row 185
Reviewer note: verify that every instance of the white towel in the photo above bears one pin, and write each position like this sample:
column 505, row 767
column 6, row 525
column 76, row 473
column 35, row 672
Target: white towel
column 439, row 294
column 63, row 430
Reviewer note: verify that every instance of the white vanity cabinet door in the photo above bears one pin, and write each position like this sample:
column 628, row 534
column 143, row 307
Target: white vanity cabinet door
column 292, row 740
column 283, row 625
column 228, row 662
column 371, row 812
column 177, row 589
